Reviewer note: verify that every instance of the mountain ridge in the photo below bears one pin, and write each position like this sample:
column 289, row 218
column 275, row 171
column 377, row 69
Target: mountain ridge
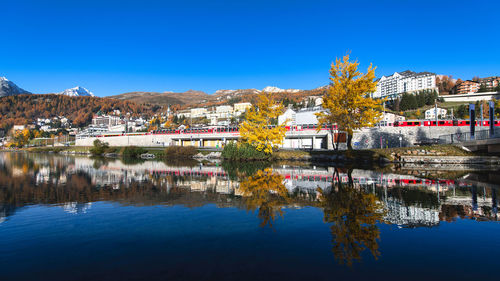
column 76, row 92
column 9, row 88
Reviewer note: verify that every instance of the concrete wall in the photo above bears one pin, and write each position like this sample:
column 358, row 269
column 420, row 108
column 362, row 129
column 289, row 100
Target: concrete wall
column 371, row 137
column 472, row 97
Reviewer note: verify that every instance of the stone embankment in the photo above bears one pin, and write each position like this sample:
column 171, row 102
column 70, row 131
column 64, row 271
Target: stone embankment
column 443, row 158
column 489, row 160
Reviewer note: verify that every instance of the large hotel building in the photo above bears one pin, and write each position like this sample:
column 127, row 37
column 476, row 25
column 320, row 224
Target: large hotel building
column 404, row 82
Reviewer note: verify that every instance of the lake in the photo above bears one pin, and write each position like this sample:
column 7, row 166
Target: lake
column 76, row 218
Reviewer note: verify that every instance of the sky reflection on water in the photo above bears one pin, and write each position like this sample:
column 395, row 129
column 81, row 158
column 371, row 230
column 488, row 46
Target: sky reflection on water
column 75, row 218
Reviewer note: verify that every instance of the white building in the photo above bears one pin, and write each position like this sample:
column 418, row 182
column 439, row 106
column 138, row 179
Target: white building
column 106, row 121
column 388, row 119
column 198, row 112
column 305, row 116
column 223, row 111
column 315, row 100
column 18, row 127
column 184, row 113
column 240, row 108
column 118, row 128
column 431, row 113
column 45, row 127
column 288, row 116
column 404, row 82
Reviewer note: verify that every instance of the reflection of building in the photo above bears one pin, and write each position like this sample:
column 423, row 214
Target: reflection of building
column 409, row 201
column 76, row 208
column 410, row 216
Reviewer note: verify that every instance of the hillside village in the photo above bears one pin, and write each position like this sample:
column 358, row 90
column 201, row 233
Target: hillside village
column 407, row 95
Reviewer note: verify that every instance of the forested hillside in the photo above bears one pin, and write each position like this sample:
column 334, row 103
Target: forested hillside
column 24, row 109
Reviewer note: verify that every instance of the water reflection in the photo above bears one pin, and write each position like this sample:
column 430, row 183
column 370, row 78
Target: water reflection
column 354, row 202
column 266, row 192
column 353, row 214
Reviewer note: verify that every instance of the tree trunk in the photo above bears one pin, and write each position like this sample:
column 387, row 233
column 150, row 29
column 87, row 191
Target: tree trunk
column 335, row 147
column 349, row 175
column 349, row 141
column 337, row 182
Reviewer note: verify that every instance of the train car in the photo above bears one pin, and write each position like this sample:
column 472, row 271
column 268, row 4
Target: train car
column 227, row 130
column 408, row 123
column 166, row 132
column 442, row 123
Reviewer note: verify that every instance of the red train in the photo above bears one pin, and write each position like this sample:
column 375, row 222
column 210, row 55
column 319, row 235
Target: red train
column 449, row 123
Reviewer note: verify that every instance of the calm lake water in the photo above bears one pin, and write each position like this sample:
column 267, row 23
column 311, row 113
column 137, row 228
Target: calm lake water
column 76, row 218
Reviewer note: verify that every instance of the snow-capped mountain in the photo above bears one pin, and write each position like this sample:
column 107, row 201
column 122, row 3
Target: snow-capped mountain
column 77, row 92
column 322, row 87
column 8, row 88
column 270, row 89
column 229, row 94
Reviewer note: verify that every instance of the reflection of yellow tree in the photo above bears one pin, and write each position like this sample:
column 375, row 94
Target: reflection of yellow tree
column 353, row 214
column 265, row 191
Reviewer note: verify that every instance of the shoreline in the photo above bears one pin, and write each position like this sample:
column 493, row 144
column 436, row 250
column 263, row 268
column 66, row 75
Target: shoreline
column 443, row 155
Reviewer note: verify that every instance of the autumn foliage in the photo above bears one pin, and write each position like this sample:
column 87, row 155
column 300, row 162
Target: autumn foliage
column 257, row 130
column 347, row 101
column 266, row 192
column 24, row 109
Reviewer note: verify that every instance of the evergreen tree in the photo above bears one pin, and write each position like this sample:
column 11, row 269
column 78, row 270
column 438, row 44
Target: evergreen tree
column 461, row 111
column 404, row 103
column 420, row 98
column 413, row 104
column 483, row 88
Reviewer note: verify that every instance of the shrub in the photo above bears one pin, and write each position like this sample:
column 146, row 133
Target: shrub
column 176, row 152
column 243, row 151
column 99, row 148
column 133, row 151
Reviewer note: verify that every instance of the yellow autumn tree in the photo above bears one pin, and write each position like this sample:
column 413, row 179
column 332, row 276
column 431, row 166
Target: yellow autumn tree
column 257, row 130
column 347, row 100
column 266, row 192
column 169, row 124
column 20, row 138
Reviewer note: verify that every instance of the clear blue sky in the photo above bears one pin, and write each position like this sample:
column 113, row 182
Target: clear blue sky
column 112, row 47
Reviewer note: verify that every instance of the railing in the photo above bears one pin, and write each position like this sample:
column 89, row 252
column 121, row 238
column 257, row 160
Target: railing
column 463, row 137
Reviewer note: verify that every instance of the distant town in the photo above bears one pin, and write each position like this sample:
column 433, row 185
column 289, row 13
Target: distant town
column 408, row 95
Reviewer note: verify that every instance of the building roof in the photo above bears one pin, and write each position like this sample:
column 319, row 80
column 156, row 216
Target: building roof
column 408, row 73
